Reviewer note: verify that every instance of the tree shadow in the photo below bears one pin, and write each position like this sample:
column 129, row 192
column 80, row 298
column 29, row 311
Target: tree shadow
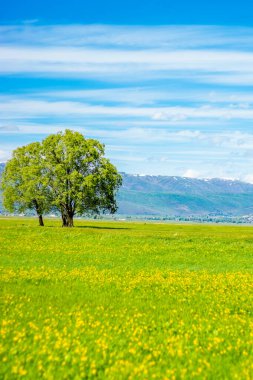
column 105, row 228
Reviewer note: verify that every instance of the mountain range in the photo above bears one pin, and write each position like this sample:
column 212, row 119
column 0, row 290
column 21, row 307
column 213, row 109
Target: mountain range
column 183, row 196
column 144, row 195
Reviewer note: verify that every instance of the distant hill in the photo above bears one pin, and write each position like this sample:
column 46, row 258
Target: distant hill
column 181, row 196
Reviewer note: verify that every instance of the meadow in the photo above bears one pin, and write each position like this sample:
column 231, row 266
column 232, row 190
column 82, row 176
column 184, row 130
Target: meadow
column 119, row 300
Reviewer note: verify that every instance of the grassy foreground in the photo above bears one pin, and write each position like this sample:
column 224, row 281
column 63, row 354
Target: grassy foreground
column 126, row 301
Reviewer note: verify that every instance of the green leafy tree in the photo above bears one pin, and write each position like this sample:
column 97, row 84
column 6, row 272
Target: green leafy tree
column 81, row 180
column 24, row 183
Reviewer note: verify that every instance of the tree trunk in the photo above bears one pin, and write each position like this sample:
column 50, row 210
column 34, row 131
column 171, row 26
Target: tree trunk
column 41, row 223
column 67, row 220
column 64, row 221
column 70, row 222
column 38, row 211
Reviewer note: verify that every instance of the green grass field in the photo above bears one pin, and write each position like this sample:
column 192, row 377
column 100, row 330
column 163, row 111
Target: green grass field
column 126, row 301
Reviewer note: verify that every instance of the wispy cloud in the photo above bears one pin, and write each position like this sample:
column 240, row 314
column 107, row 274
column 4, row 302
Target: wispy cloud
column 24, row 108
column 120, row 53
column 149, row 95
column 122, row 65
column 168, row 37
column 164, row 99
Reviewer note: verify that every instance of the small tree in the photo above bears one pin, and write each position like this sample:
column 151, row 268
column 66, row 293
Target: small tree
column 24, row 183
column 81, row 180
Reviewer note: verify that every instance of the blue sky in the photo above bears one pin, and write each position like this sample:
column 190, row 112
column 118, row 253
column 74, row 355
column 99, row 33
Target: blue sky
column 167, row 86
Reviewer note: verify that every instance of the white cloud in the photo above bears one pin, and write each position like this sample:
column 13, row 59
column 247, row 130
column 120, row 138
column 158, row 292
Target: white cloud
column 150, row 95
column 205, row 143
column 177, row 97
column 191, row 173
column 69, row 60
column 248, row 178
column 132, row 36
column 24, row 108
column 208, row 54
column 9, row 128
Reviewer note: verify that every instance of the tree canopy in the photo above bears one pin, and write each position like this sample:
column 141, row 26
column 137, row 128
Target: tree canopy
column 66, row 172
column 23, row 182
